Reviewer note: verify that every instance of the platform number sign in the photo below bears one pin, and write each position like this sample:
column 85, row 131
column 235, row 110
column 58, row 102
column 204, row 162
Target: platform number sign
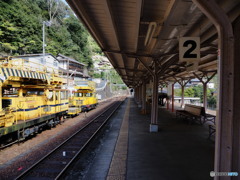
column 189, row 49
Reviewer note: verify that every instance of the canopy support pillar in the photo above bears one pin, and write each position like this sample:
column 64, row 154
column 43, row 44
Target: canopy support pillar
column 224, row 145
column 154, row 111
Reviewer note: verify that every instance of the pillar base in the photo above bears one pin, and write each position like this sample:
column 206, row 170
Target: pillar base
column 153, row 128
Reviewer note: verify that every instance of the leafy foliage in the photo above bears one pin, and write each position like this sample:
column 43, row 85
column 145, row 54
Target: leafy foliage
column 21, row 24
column 197, row 91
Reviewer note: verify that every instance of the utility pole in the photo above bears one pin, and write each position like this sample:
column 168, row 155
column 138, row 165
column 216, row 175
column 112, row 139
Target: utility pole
column 43, row 38
column 67, row 72
column 47, row 23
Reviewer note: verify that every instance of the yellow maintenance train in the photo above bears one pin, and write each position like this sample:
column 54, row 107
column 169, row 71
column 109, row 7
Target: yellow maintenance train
column 31, row 99
column 83, row 98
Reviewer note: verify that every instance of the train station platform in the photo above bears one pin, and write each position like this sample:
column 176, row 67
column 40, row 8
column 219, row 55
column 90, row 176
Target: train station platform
column 127, row 150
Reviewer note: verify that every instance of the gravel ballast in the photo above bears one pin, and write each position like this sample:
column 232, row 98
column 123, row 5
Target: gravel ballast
column 17, row 158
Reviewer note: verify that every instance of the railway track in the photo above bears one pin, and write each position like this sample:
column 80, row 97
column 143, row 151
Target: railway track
column 55, row 163
column 3, row 146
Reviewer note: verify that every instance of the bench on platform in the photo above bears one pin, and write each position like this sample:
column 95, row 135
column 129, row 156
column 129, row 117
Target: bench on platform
column 195, row 113
column 191, row 113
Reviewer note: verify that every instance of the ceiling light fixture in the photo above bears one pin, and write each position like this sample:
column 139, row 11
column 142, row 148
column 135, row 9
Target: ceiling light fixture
column 151, row 29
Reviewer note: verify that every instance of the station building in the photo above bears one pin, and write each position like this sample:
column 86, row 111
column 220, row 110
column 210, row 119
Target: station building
column 158, row 43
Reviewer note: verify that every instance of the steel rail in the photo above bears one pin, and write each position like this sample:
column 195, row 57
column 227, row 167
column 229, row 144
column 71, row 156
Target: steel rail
column 25, row 174
column 72, row 160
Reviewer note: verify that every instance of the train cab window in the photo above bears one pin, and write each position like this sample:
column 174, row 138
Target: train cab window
column 35, row 92
column 10, row 92
column 88, row 94
column 78, row 94
column 63, row 95
column 29, row 93
column 50, row 96
column 66, row 95
column 57, row 95
column 40, row 93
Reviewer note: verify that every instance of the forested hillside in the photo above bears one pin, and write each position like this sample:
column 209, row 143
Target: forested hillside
column 21, row 32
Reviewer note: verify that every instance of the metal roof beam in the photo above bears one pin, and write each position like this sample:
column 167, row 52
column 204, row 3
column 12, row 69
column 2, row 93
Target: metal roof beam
column 135, row 70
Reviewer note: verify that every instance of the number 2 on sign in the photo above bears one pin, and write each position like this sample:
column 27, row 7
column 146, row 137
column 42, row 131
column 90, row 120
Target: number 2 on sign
column 189, row 49
column 192, row 44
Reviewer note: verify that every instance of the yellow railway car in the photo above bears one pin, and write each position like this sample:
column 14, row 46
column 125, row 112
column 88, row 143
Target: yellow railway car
column 84, row 98
column 31, row 98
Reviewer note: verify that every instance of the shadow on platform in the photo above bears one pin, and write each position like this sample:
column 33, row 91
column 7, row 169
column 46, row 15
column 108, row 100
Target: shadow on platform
column 177, row 151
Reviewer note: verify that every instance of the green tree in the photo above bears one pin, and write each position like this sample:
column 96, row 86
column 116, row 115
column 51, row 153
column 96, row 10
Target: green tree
column 21, row 30
column 189, row 92
column 198, row 91
column 177, row 92
column 211, row 98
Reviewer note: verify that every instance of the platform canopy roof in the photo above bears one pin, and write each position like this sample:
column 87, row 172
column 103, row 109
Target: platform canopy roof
column 138, row 33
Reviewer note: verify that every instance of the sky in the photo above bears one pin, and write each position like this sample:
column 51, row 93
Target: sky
column 65, row 2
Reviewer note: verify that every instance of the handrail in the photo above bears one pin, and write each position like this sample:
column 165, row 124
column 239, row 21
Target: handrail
column 23, row 64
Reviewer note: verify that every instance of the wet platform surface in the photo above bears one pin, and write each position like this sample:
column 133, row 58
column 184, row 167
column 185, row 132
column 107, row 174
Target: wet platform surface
column 129, row 151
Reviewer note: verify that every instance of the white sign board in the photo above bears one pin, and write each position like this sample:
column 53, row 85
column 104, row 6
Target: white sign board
column 189, row 49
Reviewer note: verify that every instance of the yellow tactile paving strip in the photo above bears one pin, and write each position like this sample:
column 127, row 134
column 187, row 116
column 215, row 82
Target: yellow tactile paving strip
column 118, row 165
